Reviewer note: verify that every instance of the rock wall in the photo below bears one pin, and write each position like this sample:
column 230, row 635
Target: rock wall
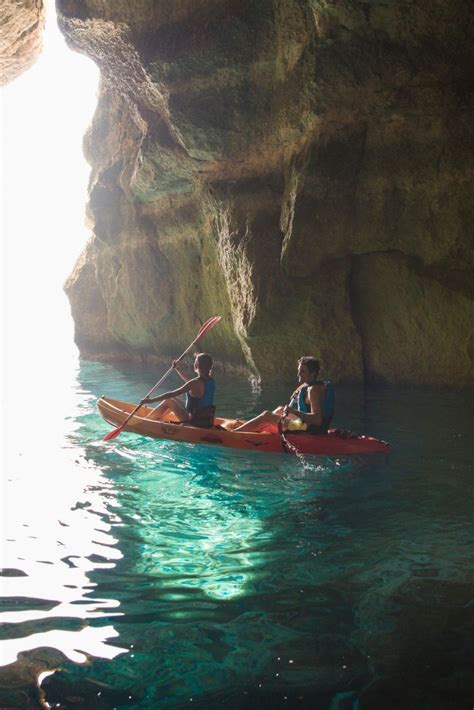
column 299, row 167
column 21, row 34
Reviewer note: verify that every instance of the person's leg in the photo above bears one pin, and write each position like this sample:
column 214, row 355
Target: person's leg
column 279, row 410
column 169, row 406
column 259, row 422
column 160, row 410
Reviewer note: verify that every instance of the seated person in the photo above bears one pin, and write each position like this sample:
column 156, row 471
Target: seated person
column 311, row 406
column 198, row 408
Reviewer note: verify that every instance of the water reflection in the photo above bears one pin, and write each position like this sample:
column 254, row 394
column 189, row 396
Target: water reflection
column 77, row 645
column 57, row 525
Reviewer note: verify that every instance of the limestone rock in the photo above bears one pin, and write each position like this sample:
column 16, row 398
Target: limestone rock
column 87, row 305
column 21, row 31
column 300, row 168
column 422, row 334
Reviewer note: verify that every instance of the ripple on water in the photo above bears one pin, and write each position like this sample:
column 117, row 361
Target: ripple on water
column 180, row 571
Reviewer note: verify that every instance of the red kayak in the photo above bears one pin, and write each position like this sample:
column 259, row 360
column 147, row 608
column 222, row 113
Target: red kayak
column 334, row 443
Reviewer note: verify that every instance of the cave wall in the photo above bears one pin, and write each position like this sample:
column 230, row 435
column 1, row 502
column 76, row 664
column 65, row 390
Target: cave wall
column 299, row 167
column 21, row 36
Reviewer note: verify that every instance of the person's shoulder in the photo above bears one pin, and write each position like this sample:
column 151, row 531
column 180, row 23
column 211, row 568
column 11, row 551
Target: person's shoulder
column 318, row 386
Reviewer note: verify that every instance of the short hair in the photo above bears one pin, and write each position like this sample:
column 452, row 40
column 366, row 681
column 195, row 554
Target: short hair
column 312, row 363
column 204, row 361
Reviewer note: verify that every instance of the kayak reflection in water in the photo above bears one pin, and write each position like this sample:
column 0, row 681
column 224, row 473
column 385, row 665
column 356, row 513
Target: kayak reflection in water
column 311, row 406
column 198, row 408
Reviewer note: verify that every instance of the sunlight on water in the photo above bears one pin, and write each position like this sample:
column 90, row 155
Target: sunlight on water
column 92, row 641
column 52, row 535
column 215, row 541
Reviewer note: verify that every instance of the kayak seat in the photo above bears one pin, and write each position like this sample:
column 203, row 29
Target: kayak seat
column 344, row 434
column 203, row 418
column 312, row 431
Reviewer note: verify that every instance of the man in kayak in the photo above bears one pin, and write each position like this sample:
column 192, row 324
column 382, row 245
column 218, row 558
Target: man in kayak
column 198, row 408
column 311, row 405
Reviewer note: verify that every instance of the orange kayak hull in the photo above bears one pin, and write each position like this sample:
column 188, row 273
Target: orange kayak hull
column 335, row 443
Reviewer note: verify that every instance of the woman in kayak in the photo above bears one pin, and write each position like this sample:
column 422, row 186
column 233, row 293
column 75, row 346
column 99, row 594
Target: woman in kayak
column 311, row 405
column 198, row 408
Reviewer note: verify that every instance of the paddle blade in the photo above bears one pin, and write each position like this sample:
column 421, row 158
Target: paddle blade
column 203, row 330
column 113, row 434
column 207, row 326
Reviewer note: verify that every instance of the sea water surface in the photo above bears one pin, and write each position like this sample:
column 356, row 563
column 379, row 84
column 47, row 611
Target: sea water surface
column 149, row 574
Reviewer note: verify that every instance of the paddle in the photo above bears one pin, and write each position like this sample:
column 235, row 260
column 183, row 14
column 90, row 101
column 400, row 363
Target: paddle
column 203, row 330
column 288, row 447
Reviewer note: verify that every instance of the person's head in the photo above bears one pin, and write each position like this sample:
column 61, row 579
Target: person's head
column 203, row 364
column 308, row 369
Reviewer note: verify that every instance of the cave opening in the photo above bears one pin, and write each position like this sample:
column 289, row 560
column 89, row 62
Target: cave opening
column 45, row 114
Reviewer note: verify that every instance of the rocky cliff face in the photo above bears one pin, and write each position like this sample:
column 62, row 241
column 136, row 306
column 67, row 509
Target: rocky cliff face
column 21, row 32
column 299, row 167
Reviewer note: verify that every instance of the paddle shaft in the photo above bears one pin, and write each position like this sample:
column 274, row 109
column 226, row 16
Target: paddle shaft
column 205, row 328
column 288, row 448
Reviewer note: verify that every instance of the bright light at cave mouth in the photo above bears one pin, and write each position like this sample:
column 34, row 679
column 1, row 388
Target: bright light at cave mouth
column 45, row 114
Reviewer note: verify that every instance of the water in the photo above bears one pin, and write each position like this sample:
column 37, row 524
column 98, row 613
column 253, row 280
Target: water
column 150, row 574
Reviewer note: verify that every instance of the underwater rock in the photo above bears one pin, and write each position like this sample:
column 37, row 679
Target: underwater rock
column 19, row 680
column 64, row 689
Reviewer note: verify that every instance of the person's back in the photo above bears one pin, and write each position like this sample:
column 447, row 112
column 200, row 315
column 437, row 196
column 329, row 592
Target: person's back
column 201, row 408
column 328, row 403
column 193, row 404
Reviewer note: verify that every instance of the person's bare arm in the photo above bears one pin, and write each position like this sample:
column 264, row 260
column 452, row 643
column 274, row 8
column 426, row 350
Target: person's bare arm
column 168, row 395
column 179, row 371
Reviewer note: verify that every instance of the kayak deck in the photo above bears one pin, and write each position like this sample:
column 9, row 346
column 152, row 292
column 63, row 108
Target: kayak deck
column 333, row 443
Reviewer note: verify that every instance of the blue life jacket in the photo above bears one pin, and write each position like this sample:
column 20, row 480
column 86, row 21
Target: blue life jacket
column 328, row 401
column 194, row 404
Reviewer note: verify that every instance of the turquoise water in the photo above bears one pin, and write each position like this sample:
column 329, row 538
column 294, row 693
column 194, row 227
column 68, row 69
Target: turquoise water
column 150, row 574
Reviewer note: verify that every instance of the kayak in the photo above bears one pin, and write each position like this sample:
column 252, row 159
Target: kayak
column 334, row 443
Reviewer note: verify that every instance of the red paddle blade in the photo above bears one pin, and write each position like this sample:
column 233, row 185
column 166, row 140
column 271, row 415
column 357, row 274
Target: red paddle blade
column 203, row 330
column 113, row 434
column 207, row 326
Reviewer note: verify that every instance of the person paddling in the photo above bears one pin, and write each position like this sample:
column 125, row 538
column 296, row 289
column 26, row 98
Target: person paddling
column 198, row 408
column 311, row 407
